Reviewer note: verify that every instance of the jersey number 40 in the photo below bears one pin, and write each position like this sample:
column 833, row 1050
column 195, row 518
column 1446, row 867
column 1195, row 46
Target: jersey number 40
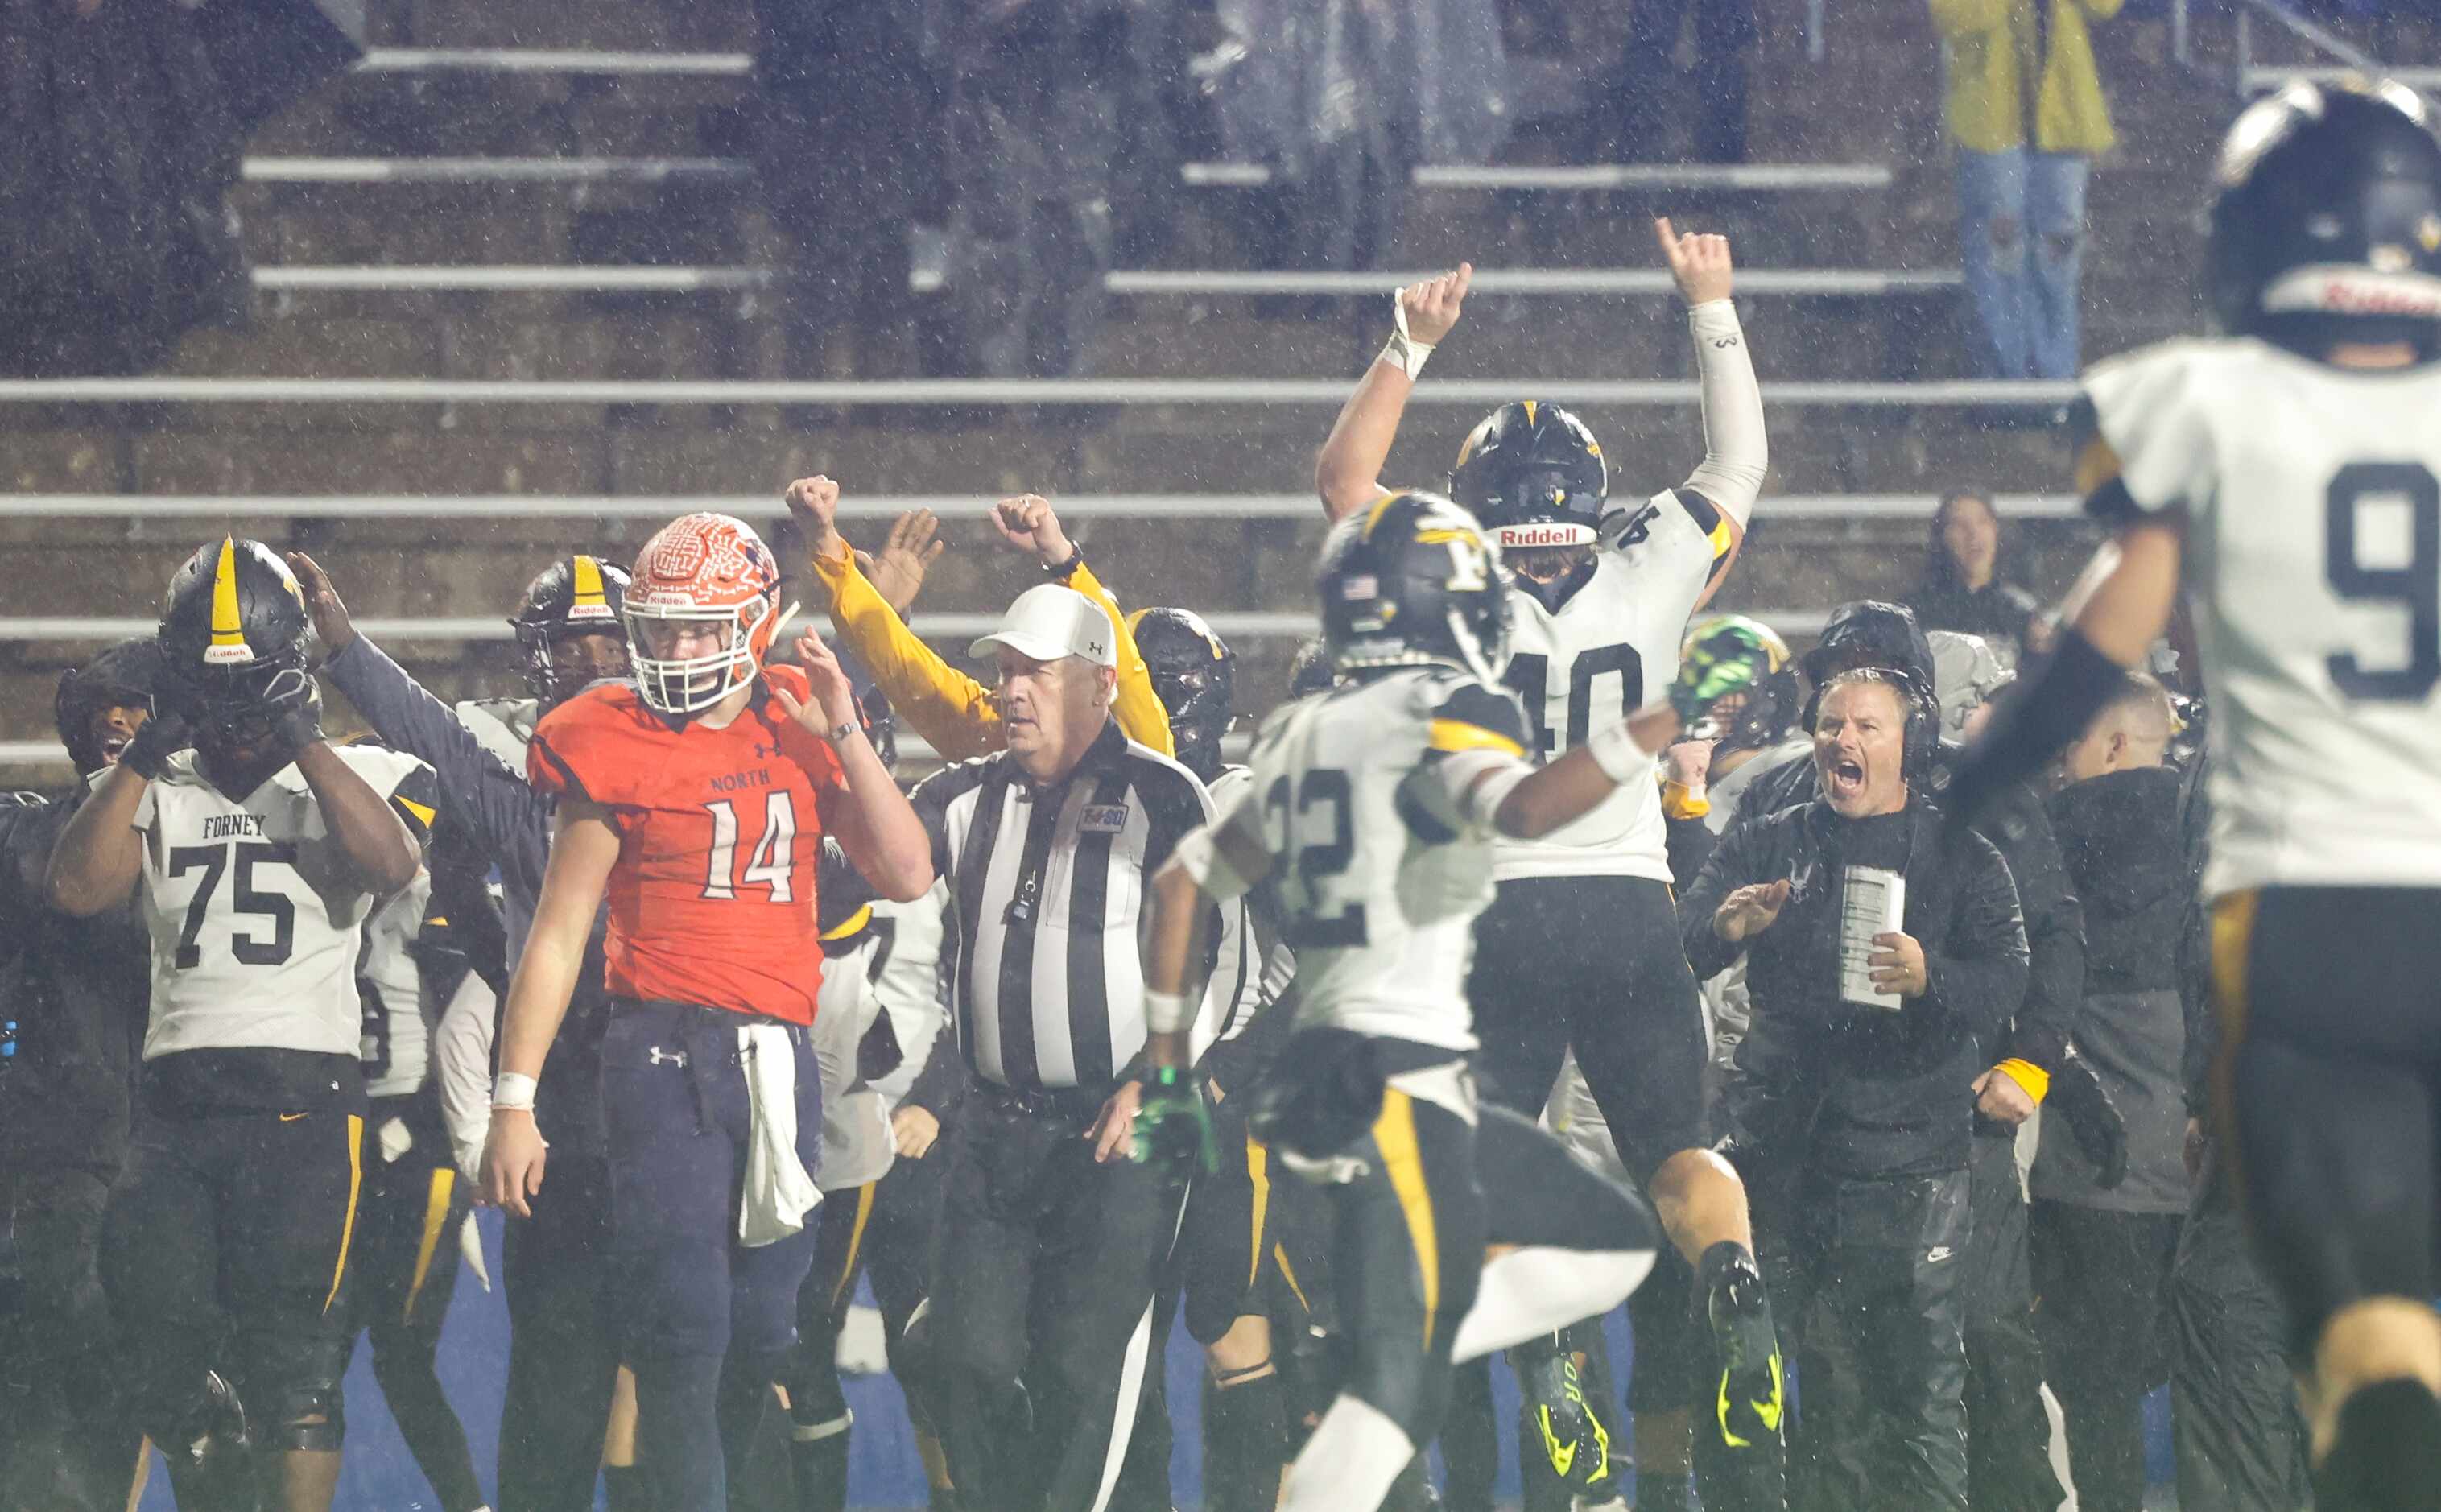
column 1529, row 674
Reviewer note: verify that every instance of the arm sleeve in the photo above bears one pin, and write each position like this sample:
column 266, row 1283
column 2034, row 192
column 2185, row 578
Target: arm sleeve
column 2054, row 924
column 1731, row 867
column 2142, row 446
column 952, row 711
column 942, row 1084
column 1139, row 709
column 462, row 1051
column 1736, row 452
column 476, row 791
column 1979, row 974
column 1475, row 756
column 1690, row 843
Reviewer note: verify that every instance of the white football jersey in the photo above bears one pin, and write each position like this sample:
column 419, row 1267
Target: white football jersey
column 2312, row 497
column 255, row 924
column 1378, row 897
column 502, row 726
column 397, row 1043
column 907, row 984
column 1611, row 649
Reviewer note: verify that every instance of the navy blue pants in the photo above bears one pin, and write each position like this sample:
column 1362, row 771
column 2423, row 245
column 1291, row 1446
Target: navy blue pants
column 692, row 1296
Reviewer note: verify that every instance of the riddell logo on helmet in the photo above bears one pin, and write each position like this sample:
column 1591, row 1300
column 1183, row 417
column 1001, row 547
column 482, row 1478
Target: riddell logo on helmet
column 1513, row 536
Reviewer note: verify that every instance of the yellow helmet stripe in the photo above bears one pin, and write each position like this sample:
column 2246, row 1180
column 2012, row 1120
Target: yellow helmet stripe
column 587, row 575
column 1137, row 619
column 1529, row 410
column 228, row 628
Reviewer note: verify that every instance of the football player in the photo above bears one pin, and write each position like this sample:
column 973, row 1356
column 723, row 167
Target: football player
column 1371, row 809
column 255, row 852
column 408, row 1238
column 75, row 992
column 696, row 798
column 563, row 1319
column 1243, row 1264
column 1578, row 948
column 2292, row 469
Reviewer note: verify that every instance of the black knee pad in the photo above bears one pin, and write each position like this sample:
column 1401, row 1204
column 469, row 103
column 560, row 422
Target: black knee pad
column 293, row 1394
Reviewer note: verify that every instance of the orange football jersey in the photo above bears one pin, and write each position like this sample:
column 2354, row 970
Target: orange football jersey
column 711, row 901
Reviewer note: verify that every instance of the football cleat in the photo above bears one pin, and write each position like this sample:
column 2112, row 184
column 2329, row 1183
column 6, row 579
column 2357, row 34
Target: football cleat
column 1575, row 1442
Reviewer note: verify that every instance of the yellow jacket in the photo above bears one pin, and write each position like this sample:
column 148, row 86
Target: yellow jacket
column 1992, row 52
column 957, row 715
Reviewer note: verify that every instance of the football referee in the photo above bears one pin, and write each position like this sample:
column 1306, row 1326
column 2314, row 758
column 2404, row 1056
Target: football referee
column 1053, row 1240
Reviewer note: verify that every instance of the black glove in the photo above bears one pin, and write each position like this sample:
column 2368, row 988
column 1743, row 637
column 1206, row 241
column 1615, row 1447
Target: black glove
column 1752, row 1379
column 160, row 737
column 2078, row 1097
column 292, row 704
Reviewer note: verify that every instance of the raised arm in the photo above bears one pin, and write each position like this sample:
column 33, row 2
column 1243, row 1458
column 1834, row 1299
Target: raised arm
column 1736, row 452
column 952, row 711
column 1348, row 473
column 1028, row 522
column 876, row 826
column 100, row 853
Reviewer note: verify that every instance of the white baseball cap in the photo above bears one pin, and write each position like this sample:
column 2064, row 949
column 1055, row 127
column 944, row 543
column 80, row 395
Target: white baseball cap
column 1051, row 621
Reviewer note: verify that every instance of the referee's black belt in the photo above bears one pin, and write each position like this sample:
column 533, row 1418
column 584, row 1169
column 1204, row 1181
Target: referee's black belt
column 1073, row 1105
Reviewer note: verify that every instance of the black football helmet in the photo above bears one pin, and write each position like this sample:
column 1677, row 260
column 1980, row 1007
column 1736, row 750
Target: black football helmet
column 2326, row 218
column 576, row 595
column 1414, row 581
column 1534, row 475
column 1195, row 674
column 119, row 676
column 1768, row 708
column 236, row 643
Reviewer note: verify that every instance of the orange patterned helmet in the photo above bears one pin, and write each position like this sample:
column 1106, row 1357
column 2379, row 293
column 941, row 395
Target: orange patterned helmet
column 710, row 573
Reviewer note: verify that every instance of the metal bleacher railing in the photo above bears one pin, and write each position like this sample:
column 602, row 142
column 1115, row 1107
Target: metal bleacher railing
column 598, row 279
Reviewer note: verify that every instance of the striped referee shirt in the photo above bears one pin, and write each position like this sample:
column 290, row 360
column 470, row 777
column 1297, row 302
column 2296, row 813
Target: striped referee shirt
column 1047, row 890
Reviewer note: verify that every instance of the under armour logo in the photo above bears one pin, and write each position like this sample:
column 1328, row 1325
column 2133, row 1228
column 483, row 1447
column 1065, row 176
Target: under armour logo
column 765, row 754
column 666, row 1057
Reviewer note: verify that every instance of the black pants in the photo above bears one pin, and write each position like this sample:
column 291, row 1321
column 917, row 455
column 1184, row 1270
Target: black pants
column 67, row 1443
column 2104, row 1277
column 1725, row 36
column 1041, row 1315
column 563, row 1340
column 1886, row 1259
column 225, row 1248
column 405, row 1272
column 1592, row 962
column 2241, row 1446
column 2008, row 1434
column 2330, row 1073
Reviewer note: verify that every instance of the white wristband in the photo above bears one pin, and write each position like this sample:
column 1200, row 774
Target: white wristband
column 1404, row 351
column 1165, row 1012
column 1617, row 753
column 512, row 1092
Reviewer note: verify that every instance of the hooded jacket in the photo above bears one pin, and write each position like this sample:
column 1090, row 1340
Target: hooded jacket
column 1870, row 633
column 1822, row 1084
column 2121, row 834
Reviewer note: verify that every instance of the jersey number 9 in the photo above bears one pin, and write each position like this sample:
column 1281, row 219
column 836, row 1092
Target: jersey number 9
column 2414, row 586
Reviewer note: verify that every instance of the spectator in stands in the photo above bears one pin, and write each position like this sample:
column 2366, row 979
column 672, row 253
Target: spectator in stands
column 1341, row 100
column 848, row 153
column 2103, row 1246
column 125, row 123
column 1037, row 90
column 1726, row 34
column 1962, row 589
column 2026, row 117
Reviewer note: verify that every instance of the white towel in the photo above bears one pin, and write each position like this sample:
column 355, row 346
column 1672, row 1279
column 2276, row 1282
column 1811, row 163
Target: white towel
column 779, row 1194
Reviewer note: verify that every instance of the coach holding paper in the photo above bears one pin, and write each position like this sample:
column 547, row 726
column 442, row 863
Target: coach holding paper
column 1852, row 1122
column 1053, row 1238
